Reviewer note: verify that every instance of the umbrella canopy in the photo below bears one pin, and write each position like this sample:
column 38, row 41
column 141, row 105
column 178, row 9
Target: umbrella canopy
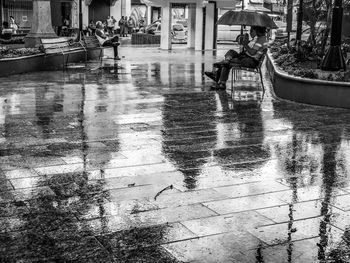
column 247, row 18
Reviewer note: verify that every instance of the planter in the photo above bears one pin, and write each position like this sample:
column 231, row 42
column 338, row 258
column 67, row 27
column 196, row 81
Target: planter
column 143, row 39
column 40, row 62
column 310, row 91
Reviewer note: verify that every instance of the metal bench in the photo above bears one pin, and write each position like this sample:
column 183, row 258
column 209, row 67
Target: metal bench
column 236, row 67
column 91, row 42
column 64, row 46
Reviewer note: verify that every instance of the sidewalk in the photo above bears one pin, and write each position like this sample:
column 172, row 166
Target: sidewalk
column 141, row 162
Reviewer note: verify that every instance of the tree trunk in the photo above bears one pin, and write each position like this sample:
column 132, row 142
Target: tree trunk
column 327, row 30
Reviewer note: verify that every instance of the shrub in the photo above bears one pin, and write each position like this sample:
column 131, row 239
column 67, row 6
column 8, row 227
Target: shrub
column 15, row 40
column 6, row 52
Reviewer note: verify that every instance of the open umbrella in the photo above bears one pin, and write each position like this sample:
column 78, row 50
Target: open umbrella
column 247, row 18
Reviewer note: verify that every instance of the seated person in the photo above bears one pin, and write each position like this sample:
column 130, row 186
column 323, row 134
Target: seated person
column 6, row 31
column 249, row 57
column 106, row 41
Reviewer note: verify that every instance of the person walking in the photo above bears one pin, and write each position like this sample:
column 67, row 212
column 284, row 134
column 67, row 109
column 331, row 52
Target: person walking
column 106, row 41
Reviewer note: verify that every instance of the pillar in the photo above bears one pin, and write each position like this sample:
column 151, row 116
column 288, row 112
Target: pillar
column 41, row 24
column 199, row 27
column 209, row 26
column 85, row 10
column 191, row 26
column 149, row 15
column 165, row 40
column 127, row 8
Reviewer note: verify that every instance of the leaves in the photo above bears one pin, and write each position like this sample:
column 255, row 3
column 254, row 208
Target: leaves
column 6, row 52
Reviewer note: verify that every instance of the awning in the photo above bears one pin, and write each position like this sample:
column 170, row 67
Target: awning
column 257, row 8
column 219, row 3
column 152, row 2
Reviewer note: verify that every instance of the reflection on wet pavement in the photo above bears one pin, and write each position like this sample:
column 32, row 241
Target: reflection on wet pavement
column 142, row 162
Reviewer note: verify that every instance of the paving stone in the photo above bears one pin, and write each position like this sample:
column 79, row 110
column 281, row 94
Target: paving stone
column 310, row 193
column 216, row 248
column 297, row 211
column 253, row 188
column 137, row 192
column 293, row 230
column 342, row 202
column 21, row 173
column 170, row 215
column 228, row 223
column 245, row 203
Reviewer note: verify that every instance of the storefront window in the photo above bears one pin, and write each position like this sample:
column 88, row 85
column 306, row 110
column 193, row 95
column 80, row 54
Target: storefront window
column 20, row 10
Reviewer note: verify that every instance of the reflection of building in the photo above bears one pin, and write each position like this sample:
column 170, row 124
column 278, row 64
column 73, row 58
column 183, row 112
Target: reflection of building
column 22, row 11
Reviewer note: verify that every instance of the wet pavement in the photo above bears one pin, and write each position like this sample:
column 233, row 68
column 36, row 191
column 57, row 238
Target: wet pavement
column 141, row 162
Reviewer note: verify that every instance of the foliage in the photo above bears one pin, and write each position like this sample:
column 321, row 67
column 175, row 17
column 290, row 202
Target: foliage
column 302, row 66
column 6, row 52
column 14, row 40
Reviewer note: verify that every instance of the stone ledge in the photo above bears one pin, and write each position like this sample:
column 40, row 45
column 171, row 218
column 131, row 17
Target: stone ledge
column 40, row 62
column 309, row 91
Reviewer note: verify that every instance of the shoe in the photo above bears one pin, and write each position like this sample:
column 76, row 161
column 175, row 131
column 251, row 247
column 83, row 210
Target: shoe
column 219, row 86
column 210, row 75
column 117, row 58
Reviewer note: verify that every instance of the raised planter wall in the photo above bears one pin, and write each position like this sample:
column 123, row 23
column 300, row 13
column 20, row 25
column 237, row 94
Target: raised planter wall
column 41, row 62
column 143, row 39
column 309, row 91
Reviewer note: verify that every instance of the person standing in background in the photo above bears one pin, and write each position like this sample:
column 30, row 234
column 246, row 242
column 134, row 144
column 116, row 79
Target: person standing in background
column 130, row 25
column 110, row 26
column 121, row 26
column 126, row 27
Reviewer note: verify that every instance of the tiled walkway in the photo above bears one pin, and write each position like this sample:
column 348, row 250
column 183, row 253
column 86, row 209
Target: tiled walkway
column 144, row 163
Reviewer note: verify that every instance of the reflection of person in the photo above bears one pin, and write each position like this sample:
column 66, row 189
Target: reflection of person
column 107, row 41
column 6, row 32
column 249, row 57
column 13, row 25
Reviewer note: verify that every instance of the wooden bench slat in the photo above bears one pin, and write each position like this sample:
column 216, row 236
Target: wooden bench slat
column 58, row 45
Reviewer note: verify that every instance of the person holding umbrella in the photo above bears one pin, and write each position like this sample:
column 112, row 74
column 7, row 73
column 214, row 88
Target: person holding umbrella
column 249, row 57
column 253, row 49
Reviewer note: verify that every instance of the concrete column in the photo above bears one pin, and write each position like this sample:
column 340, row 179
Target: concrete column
column 85, row 10
column 75, row 14
column 115, row 10
column 41, row 23
column 149, row 15
column 127, row 8
column 191, row 26
column 165, row 41
column 199, row 27
column 209, row 27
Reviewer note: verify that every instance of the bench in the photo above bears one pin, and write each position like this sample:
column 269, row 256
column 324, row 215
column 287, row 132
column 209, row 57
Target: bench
column 91, row 42
column 235, row 67
column 60, row 45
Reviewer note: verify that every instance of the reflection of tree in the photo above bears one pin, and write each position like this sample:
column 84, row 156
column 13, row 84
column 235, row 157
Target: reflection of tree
column 298, row 157
column 187, row 137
